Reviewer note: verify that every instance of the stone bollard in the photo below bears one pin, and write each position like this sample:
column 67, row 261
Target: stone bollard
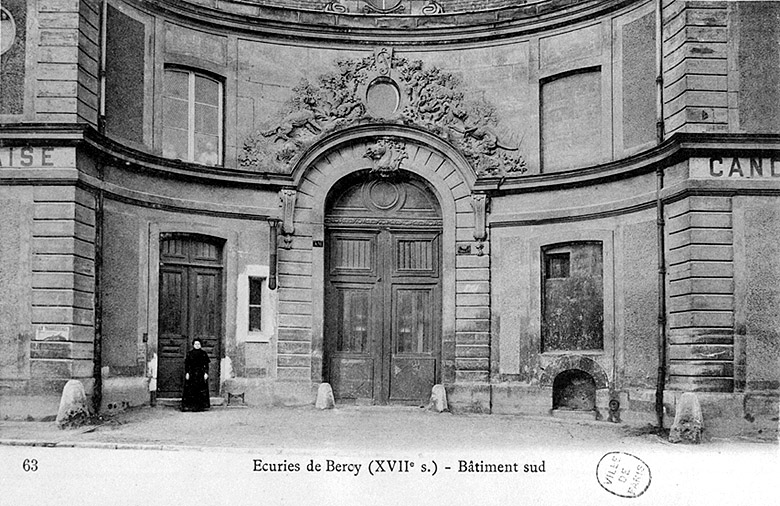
column 73, row 411
column 325, row 398
column 688, row 421
column 438, row 399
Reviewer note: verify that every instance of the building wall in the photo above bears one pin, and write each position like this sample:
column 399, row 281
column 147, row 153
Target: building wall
column 574, row 102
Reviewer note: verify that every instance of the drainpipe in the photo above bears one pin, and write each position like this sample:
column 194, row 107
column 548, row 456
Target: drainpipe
column 102, row 69
column 659, row 83
column 273, row 246
column 97, row 371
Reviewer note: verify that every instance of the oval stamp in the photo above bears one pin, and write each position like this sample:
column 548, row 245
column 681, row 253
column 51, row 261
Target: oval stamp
column 623, row 474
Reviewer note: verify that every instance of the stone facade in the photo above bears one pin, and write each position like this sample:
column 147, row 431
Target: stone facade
column 539, row 141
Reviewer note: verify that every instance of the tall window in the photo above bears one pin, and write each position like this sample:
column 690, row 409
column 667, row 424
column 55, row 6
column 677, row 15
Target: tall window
column 255, row 304
column 192, row 117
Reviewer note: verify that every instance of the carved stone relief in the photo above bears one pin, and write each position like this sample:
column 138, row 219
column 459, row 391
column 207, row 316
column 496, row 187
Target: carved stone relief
column 479, row 204
column 386, row 155
column 287, row 197
column 384, row 88
column 385, row 7
column 336, row 7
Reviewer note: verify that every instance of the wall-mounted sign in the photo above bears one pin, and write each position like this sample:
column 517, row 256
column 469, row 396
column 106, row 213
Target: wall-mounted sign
column 23, row 157
column 727, row 167
column 7, row 31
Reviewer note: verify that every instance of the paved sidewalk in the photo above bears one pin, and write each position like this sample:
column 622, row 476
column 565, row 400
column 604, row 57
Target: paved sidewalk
column 245, row 456
column 345, row 428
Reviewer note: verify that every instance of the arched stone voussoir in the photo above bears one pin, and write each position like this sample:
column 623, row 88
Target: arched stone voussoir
column 569, row 362
column 367, row 134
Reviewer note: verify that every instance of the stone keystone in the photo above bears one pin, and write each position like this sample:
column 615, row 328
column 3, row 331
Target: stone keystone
column 73, row 411
column 688, row 421
column 325, row 398
column 438, row 399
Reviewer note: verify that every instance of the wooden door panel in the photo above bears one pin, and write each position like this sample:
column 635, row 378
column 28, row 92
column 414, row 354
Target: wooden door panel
column 412, row 378
column 414, row 334
column 173, row 338
column 415, row 255
column 412, row 319
column 352, row 336
column 352, row 378
column 355, row 310
column 206, row 320
column 353, row 254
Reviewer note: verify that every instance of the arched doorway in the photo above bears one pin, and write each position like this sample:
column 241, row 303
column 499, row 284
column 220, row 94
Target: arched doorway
column 382, row 288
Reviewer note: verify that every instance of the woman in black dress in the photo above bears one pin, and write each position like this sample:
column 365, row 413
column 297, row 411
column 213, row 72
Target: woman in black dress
column 195, row 396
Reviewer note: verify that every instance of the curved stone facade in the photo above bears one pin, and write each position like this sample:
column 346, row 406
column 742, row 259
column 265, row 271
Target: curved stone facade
column 580, row 203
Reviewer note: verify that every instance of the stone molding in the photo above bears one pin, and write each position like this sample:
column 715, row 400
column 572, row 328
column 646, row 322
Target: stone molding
column 426, row 25
column 675, row 149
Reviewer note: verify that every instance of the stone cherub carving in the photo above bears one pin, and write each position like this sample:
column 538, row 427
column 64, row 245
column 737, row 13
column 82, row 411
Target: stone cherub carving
column 434, row 100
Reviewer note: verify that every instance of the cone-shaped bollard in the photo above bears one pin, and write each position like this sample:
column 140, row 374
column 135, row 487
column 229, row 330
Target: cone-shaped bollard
column 325, row 397
column 438, row 399
column 688, row 420
column 73, row 411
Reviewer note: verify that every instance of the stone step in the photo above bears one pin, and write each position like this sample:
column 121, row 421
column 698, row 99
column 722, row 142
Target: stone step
column 574, row 414
column 176, row 401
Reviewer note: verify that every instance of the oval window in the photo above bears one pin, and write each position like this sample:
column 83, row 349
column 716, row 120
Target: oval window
column 383, row 97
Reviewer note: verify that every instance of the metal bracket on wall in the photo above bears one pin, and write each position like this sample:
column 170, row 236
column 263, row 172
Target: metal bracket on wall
column 288, row 209
column 479, row 203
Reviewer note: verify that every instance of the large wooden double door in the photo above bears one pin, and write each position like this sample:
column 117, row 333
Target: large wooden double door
column 383, row 293
column 190, row 306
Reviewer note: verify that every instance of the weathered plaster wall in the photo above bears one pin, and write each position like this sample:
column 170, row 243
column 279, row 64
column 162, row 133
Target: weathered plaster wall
column 16, row 279
column 130, row 285
column 637, row 267
column 757, row 315
column 756, row 32
column 120, row 286
column 12, row 63
column 259, row 77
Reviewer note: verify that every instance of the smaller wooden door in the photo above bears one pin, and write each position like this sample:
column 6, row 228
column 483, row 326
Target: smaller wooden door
column 190, row 306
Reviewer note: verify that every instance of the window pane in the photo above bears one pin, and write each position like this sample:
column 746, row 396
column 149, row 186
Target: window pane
column 255, row 319
column 191, row 120
column 206, row 91
column 255, row 291
column 413, row 321
column 207, row 149
column 176, row 84
column 175, row 113
column 557, row 265
column 206, row 119
column 175, row 143
column 353, row 335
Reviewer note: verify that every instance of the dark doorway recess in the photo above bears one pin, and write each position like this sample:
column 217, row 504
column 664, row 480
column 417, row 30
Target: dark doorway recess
column 383, row 289
column 190, row 307
column 575, row 390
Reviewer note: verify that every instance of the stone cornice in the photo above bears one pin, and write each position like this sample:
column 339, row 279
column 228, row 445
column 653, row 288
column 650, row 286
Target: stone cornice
column 675, row 149
column 308, row 26
column 678, row 147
